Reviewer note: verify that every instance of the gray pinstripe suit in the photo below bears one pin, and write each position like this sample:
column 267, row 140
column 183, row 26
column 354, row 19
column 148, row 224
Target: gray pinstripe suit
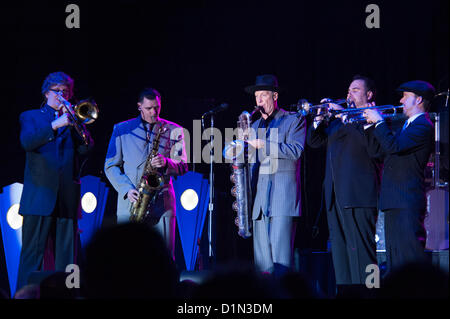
column 276, row 180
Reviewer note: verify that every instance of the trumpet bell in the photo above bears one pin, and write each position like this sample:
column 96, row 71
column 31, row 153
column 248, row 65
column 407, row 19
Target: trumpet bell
column 304, row 105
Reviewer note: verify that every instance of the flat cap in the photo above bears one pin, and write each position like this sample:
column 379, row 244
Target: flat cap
column 421, row 88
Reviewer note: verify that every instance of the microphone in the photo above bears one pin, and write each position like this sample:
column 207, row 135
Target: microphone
column 220, row 108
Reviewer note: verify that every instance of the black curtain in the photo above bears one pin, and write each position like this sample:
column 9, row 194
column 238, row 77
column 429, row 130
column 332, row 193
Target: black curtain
column 203, row 52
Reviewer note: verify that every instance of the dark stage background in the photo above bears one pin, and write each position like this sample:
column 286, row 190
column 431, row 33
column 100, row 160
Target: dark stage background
column 199, row 52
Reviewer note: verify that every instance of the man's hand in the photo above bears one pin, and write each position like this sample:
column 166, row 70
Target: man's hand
column 372, row 116
column 61, row 121
column 257, row 143
column 158, row 161
column 132, row 195
column 370, row 104
column 321, row 110
column 335, row 107
column 319, row 117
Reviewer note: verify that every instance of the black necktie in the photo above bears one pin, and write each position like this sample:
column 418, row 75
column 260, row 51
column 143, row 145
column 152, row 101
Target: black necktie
column 148, row 129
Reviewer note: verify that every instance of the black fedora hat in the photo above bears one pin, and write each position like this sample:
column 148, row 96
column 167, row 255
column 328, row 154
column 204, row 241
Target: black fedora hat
column 420, row 88
column 265, row 82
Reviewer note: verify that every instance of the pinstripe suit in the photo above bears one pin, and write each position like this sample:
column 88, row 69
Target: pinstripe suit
column 276, row 180
column 402, row 195
column 407, row 153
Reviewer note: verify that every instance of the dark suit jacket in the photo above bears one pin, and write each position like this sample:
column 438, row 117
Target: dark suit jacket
column 406, row 155
column 51, row 167
column 351, row 164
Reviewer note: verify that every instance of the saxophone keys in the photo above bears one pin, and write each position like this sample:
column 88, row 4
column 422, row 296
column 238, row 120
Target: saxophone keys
column 234, row 191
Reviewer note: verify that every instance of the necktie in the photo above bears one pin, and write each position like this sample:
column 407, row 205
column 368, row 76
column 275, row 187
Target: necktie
column 149, row 130
column 405, row 125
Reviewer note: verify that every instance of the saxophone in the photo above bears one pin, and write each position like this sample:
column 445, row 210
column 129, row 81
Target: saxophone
column 149, row 185
column 237, row 152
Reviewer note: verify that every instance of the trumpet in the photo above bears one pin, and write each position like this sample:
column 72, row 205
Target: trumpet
column 305, row 108
column 83, row 113
column 355, row 115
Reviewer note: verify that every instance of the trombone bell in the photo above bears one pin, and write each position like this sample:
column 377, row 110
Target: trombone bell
column 86, row 111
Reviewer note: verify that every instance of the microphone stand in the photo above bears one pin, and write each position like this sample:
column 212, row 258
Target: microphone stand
column 211, row 190
column 437, row 152
column 220, row 108
column 211, row 253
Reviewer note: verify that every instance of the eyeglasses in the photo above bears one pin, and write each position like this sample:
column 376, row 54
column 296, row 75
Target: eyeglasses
column 64, row 92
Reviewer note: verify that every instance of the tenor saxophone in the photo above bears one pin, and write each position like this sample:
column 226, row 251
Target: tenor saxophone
column 149, row 185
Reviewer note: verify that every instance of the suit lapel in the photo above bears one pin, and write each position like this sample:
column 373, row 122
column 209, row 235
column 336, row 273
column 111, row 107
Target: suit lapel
column 138, row 134
column 147, row 146
column 275, row 123
column 47, row 113
column 416, row 120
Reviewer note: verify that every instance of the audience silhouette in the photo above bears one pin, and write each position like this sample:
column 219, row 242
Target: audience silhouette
column 239, row 281
column 415, row 280
column 129, row 261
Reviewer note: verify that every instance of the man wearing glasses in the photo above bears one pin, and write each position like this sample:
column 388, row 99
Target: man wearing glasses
column 50, row 202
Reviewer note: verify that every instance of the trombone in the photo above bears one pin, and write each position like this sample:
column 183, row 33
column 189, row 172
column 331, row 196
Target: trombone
column 84, row 112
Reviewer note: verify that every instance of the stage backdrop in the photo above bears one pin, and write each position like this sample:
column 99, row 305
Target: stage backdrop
column 93, row 199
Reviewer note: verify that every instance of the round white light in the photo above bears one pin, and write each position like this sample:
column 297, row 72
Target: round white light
column 189, row 199
column 13, row 218
column 88, row 202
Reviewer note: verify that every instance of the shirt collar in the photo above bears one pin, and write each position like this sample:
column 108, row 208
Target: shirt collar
column 412, row 118
column 271, row 116
column 48, row 108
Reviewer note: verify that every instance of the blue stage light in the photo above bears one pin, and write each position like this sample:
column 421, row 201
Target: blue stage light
column 93, row 201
